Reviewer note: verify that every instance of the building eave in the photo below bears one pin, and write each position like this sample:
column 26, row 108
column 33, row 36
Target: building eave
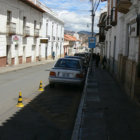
column 33, row 5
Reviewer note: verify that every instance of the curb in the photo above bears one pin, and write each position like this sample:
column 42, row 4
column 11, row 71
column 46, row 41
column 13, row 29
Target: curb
column 18, row 67
column 76, row 130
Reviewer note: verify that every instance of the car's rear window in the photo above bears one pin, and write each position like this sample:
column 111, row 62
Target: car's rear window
column 80, row 55
column 66, row 63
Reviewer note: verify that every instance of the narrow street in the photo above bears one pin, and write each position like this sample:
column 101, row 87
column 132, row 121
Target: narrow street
column 70, row 70
column 46, row 115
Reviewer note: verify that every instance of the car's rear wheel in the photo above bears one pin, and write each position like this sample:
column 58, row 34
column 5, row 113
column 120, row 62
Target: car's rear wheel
column 52, row 85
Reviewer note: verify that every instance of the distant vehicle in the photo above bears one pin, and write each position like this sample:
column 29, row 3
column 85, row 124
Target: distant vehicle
column 80, row 54
column 67, row 71
column 84, row 56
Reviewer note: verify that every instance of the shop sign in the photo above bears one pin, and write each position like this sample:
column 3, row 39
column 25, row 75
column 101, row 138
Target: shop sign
column 15, row 39
column 43, row 40
column 134, row 27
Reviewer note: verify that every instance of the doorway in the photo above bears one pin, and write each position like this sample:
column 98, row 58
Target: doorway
column 24, row 56
column 46, row 51
column 114, row 52
column 8, row 54
column 16, row 55
column 33, row 53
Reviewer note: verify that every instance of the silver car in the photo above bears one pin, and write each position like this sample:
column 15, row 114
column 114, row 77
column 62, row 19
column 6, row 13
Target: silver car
column 67, row 71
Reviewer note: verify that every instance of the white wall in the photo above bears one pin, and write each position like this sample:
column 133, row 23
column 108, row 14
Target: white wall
column 20, row 10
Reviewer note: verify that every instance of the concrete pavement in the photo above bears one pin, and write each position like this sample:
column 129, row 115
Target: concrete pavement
column 106, row 112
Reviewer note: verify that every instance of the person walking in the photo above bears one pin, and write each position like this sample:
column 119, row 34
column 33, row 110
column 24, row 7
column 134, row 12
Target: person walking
column 97, row 60
column 53, row 55
column 104, row 61
column 65, row 53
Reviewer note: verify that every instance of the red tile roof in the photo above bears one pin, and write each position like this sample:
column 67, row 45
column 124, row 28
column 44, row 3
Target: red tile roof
column 70, row 38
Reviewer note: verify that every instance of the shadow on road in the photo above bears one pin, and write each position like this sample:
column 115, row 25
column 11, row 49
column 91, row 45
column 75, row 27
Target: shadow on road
column 49, row 116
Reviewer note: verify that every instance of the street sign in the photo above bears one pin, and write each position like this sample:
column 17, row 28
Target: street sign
column 91, row 42
column 44, row 41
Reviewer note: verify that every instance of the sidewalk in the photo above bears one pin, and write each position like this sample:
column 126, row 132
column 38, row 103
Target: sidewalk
column 22, row 66
column 107, row 113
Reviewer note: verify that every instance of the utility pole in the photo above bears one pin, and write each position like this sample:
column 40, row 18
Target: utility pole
column 92, row 27
column 95, row 5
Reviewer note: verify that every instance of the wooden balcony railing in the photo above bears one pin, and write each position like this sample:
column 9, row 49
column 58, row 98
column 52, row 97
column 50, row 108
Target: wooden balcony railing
column 123, row 6
column 11, row 28
column 101, row 33
column 108, row 23
column 26, row 31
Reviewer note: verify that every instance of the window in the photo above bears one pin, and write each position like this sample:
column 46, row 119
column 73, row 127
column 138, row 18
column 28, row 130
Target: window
column 9, row 16
column 57, row 30
column 24, row 22
column 46, row 28
column 40, row 25
column 52, row 28
column 128, row 40
column 35, row 24
column 33, row 47
column 16, row 47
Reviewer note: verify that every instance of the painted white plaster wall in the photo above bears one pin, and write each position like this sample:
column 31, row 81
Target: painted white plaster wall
column 121, row 33
column 20, row 10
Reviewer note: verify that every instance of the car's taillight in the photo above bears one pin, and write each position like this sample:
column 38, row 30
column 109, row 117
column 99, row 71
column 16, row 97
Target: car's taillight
column 52, row 73
column 80, row 75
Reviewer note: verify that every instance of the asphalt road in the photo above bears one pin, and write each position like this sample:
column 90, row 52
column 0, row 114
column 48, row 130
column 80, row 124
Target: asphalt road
column 25, row 80
column 47, row 115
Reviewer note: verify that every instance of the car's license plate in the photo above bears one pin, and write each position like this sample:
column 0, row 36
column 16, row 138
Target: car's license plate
column 66, row 75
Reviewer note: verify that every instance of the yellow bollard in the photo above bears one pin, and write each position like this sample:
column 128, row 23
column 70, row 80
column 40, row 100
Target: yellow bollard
column 41, row 86
column 20, row 104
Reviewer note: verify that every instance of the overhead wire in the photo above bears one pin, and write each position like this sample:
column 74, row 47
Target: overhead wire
column 97, row 6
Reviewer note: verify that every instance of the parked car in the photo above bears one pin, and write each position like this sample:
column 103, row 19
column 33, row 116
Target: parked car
column 67, row 71
column 84, row 56
column 84, row 63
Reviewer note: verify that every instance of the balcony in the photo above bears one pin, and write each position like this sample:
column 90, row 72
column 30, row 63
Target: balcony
column 108, row 23
column 36, row 32
column 123, row 6
column 113, row 16
column 101, row 34
column 11, row 28
column 26, row 31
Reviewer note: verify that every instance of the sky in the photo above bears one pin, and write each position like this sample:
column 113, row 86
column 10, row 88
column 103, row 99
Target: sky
column 76, row 14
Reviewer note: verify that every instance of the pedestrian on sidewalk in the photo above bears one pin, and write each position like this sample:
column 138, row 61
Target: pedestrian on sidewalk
column 53, row 55
column 104, row 61
column 65, row 53
column 97, row 60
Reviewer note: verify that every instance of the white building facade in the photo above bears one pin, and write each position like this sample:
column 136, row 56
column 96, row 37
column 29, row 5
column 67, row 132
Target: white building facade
column 122, row 44
column 23, row 24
